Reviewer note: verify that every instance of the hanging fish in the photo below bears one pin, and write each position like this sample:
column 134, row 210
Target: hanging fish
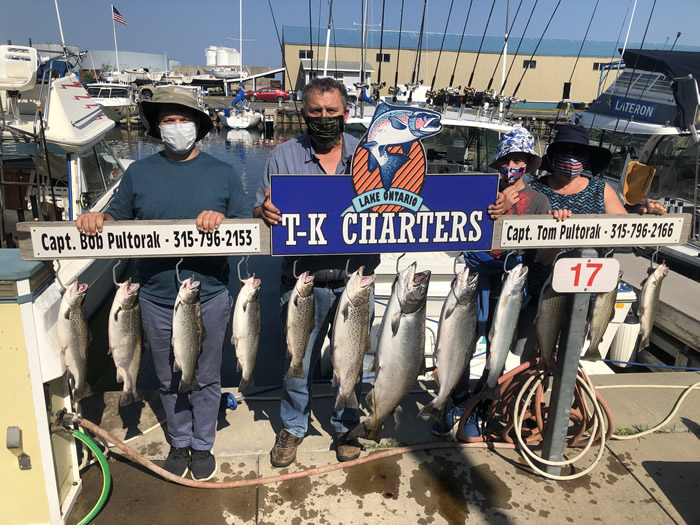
column 125, row 338
column 599, row 316
column 649, row 303
column 246, row 330
column 74, row 338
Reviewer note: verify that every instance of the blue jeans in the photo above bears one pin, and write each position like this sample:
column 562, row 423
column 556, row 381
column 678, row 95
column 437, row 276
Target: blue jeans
column 295, row 407
column 191, row 417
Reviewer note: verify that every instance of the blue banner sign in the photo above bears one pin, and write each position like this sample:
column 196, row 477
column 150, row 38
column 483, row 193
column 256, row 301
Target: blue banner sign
column 325, row 214
column 640, row 110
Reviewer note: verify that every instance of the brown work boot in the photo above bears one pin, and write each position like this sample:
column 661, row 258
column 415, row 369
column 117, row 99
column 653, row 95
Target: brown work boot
column 346, row 449
column 285, row 449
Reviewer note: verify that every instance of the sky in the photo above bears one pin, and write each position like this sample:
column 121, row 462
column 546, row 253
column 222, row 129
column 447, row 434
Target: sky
column 185, row 28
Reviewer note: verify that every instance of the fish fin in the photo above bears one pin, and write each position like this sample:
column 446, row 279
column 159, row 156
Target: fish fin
column 372, row 162
column 234, row 340
column 188, row 387
column 246, row 384
column 435, row 409
column 369, row 399
column 396, row 123
column 336, row 380
column 176, row 366
column 127, row 398
column 346, row 311
column 89, row 342
column 369, row 144
column 116, row 313
column 245, row 306
column 406, row 147
column 436, row 376
column 296, row 370
column 382, row 108
column 204, row 334
column 66, row 314
column 346, row 401
column 395, row 323
column 82, row 392
column 450, row 310
column 364, row 431
column 239, row 367
column 120, row 379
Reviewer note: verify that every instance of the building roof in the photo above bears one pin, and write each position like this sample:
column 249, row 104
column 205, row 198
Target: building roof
column 431, row 41
column 335, row 65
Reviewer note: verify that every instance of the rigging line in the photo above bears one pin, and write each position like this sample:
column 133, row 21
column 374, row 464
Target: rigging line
column 678, row 35
column 419, row 47
column 536, row 47
column 573, row 70
column 335, row 47
column 311, row 43
column 517, row 50
column 318, row 35
column 444, row 34
column 363, row 19
column 459, row 51
column 381, row 49
column 398, row 55
column 284, row 61
column 612, row 56
column 624, row 46
column 476, row 60
column 505, row 42
column 629, row 84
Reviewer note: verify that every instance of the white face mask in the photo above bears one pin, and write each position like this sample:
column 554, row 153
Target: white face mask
column 179, row 138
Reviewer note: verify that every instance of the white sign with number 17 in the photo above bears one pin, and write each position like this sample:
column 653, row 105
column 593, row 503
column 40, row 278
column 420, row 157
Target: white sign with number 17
column 585, row 275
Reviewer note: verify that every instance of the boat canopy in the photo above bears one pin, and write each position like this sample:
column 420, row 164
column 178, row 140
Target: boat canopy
column 682, row 68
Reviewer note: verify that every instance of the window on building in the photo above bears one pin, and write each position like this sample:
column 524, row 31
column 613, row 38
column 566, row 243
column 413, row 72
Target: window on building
column 529, row 64
column 597, row 66
column 383, row 57
column 306, row 53
column 338, row 75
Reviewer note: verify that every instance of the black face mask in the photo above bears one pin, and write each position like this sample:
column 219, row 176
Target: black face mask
column 325, row 130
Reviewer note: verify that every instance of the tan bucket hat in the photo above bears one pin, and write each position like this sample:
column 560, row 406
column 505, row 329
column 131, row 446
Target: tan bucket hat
column 178, row 96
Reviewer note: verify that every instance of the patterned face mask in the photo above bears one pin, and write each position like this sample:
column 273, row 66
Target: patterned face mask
column 511, row 174
column 569, row 165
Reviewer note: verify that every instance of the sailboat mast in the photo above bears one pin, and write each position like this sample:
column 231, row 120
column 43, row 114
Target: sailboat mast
column 328, row 38
column 60, row 27
column 240, row 37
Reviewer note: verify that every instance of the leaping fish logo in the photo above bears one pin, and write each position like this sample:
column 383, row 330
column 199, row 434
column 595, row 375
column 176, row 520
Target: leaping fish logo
column 396, row 126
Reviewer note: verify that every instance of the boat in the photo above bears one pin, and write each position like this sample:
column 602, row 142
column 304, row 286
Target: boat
column 226, row 72
column 54, row 163
column 245, row 118
column 651, row 114
column 117, row 100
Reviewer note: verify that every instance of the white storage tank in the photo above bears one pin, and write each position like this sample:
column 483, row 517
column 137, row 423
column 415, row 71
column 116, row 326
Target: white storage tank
column 223, row 56
column 210, row 54
column 235, row 57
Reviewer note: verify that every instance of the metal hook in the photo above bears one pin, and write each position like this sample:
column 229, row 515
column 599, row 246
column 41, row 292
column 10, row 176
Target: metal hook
column 177, row 270
column 57, row 271
column 397, row 262
column 114, row 273
column 654, row 255
column 609, row 253
column 247, row 273
column 294, row 269
column 347, row 270
column 505, row 262
column 454, row 264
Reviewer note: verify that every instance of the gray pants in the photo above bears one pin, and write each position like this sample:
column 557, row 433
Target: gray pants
column 191, row 417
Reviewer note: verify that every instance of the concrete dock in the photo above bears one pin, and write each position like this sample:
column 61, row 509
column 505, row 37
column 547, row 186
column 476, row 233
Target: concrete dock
column 655, row 479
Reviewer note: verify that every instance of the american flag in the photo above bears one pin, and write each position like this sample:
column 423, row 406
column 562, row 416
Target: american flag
column 117, row 16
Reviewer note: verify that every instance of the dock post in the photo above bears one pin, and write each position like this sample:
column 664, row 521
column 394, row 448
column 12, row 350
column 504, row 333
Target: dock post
column 568, row 357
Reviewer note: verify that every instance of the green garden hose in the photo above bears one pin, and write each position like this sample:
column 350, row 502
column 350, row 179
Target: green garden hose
column 106, row 476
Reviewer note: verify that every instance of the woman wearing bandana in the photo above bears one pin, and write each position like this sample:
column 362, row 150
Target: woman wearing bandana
column 569, row 188
column 515, row 156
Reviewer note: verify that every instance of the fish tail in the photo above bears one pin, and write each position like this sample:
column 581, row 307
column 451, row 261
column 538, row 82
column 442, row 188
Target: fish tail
column 245, row 384
column 188, row 386
column 365, row 431
column 491, row 392
column 435, row 409
column 643, row 343
column 128, row 397
column 592, row 354
column 82, row 392
column 296, row 370
column 346, row 401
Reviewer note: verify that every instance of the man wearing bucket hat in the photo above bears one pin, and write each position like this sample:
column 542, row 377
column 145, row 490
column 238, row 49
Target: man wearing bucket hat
column 568, row 189
column 181, row 182
column 515, row 156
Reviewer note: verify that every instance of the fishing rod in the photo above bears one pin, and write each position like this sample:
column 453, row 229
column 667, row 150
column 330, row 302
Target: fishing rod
column 573, row 70
column 419, row 51
column 505, row 43
column 476, row 60
column 437, row 64
column 311, row 41
column 284, row 60
column 536, row 47
column 393, row 90
column 376, row 87
column 459, row 51
column 634, row 70
column 520, row 43
column 612, row 56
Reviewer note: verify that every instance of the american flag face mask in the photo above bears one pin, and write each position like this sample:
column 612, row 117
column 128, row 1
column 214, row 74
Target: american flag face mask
column 511, row 173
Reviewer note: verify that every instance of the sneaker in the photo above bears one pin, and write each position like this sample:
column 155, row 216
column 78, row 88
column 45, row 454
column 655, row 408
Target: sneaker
column 203, row 465
column 285, row 449
column 451, row 419
column 346, row 449
column 474, row 427
column 178, row 461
